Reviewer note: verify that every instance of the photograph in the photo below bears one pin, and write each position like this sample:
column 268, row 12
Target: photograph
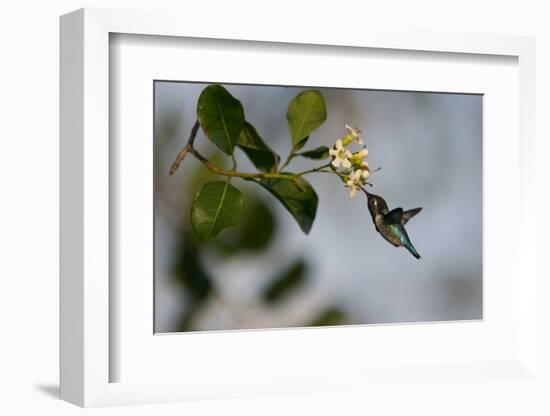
column 304, row 206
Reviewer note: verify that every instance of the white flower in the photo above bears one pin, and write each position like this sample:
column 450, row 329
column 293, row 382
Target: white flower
column 355, row 180
column 355, row 169
column 354, row 133
column 340, row 155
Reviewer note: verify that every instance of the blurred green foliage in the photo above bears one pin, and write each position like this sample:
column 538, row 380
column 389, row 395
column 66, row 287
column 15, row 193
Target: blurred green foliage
column 192, row 275
column 255, row 232
column 286, row 282
column 252, row 231
column 330, row 317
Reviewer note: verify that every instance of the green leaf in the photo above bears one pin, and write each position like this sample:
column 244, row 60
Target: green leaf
column 318, row 153
column 259, row 153
column 216, row 206
column 297, row 196
column 221, row 116
column 282, row 285
column 306, row 112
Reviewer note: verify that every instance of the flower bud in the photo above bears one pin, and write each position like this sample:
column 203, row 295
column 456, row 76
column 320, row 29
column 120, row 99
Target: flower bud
column 347, row 139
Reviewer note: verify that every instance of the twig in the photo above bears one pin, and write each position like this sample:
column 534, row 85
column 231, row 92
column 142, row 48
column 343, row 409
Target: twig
column 224, row 172
column 287, row 161
column 317, row 169
column 245, row 175
column 183, row 152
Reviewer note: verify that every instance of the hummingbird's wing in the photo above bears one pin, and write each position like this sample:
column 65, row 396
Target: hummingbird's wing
column 394, row 216
column 407, row 215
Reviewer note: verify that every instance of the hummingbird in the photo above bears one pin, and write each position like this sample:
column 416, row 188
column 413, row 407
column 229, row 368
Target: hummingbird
column 390, row 224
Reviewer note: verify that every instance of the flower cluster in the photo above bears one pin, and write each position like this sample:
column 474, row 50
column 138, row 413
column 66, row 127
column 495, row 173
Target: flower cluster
column 351, row 166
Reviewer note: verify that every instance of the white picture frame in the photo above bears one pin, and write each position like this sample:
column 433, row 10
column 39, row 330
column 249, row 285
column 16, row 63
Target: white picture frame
column 87, row 293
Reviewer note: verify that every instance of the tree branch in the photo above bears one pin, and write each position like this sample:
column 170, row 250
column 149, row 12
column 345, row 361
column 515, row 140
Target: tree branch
column 188, row 148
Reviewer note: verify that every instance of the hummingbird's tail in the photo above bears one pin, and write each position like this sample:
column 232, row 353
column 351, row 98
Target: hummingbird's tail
column 412, row 250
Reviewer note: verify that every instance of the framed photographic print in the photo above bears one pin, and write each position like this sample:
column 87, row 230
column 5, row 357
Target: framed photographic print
column 267, row 214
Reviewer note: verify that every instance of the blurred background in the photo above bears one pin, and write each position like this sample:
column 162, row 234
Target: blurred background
column 265, row 273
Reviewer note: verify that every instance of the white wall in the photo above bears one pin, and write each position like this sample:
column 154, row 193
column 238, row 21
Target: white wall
column 29, row 180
